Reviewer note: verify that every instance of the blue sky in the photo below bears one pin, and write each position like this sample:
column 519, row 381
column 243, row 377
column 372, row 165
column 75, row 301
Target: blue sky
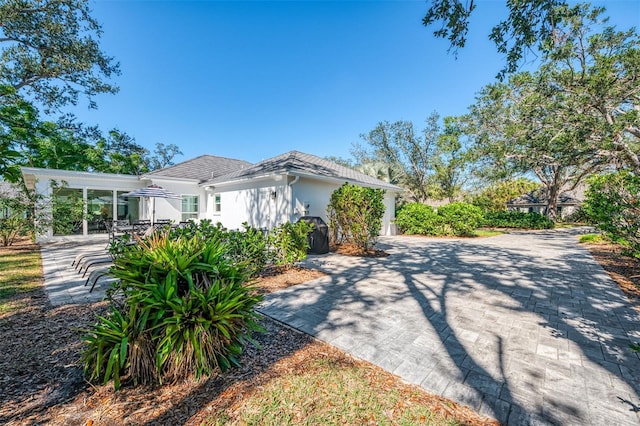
column 251, row 80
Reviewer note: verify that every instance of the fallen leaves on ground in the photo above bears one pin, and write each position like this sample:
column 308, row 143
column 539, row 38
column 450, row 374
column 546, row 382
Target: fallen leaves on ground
column 348, row 249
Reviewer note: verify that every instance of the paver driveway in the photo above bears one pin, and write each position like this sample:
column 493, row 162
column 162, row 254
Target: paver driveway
column 524, row 327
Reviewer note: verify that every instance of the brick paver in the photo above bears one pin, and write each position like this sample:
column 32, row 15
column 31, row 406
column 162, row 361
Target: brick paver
column 525, row 327
column 65, row 286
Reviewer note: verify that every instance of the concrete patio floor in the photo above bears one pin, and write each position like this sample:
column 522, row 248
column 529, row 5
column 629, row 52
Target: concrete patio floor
column 63, row 284
column 524, row 327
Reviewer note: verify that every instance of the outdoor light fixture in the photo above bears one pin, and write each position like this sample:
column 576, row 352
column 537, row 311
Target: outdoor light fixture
column 274, row 194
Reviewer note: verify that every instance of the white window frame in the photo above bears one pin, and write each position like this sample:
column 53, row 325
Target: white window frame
column 217, row 204
column 191, row 214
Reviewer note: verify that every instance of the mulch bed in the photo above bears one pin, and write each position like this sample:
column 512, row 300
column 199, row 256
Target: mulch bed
column 354, row 250
column 624, row 270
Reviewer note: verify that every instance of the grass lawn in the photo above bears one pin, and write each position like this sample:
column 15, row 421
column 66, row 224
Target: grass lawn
column 487, row 233
column 20, row 272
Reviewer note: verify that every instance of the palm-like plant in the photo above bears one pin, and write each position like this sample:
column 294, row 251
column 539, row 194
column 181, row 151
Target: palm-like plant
column 187, row 310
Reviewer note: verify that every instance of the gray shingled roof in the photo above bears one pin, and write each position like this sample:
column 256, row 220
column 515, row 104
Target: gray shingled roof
column 202, row 168
column 298, row 162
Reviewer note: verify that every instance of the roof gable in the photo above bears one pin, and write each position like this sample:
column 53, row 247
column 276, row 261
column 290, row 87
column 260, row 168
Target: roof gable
column 295, row 162
column 202, row 168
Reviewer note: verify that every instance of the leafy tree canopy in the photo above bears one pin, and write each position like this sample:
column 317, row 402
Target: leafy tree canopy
column 50, row 57
column 432, row 164
column 530, row 25
column 50, row 52
column 578, row 113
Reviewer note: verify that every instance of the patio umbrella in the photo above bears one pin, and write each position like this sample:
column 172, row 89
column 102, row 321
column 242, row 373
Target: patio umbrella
column 153, row 191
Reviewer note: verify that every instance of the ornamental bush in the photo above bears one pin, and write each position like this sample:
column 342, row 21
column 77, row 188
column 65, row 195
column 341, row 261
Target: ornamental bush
column 288, row 243
column 186, row 309
column 14, row 223
column 246, row 247
column 612, row 203
column 460, row 219
column 355, row 215
column 517, row 220
column 418, row 218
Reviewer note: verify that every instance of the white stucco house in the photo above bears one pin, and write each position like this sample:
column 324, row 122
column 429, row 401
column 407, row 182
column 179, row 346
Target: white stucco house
column 230, row 191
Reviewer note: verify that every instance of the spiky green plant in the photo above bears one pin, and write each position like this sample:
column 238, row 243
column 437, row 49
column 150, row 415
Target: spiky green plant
column 187, row 310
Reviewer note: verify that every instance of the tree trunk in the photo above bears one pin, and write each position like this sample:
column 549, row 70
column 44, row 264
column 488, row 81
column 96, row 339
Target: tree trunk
column 553, row 192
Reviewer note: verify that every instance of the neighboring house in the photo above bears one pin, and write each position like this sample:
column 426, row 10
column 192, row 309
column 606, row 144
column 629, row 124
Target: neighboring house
column 229, row 191
column 536, row 201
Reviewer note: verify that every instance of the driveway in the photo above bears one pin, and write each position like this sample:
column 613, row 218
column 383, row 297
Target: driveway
column 524, row 327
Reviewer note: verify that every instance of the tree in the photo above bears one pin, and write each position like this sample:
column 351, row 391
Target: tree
column 50, row 52
column 578, row 113
column 529, row 25
column 451, row 161
column 163, row 156
column 406, row 153
column 433, row 165
column 494, row 197
column 598, row 74
column 346, row 162
column 521, row 130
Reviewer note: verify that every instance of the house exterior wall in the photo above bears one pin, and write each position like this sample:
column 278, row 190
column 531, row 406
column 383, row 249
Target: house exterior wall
column 169, row 208
column 260, row 203
column 253, row 202
column 311, row 198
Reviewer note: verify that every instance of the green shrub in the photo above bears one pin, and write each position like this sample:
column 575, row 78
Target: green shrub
column 612, row 203
column 355, row 215
column 418, row 218
column 517, row 220
column 288, row 243
column 460, row 219
column 67, row 214
column 247, row 247
column 186, row 310
column 14, row 209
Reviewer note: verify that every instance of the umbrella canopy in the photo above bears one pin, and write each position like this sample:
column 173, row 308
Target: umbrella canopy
column 152, row 191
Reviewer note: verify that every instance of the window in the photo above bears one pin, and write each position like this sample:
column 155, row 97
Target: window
column 189, row 207
column 217, row 205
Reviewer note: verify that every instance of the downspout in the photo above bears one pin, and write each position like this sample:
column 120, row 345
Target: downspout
column 210, row 202
column 291, row 200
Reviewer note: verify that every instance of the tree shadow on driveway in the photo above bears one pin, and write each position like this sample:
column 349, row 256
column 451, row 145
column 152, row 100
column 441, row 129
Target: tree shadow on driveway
column 521, row 327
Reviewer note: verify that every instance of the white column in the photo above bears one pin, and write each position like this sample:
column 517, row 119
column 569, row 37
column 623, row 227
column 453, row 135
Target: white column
column 85, row 225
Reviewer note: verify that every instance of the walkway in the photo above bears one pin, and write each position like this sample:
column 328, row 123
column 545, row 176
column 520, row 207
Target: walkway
column 526, row 327
column 63, row 284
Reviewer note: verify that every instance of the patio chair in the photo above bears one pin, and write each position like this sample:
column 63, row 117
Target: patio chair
column 81, row 256
column 96, row 275
column 141, row 226
column 89, row 262
column 116, row 228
